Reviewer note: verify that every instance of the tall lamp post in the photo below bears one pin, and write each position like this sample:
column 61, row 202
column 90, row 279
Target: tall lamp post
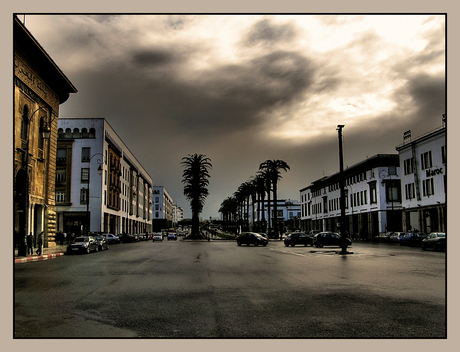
column 388, row 190
column 99, row 170
column 343, row 232
column 46, row 132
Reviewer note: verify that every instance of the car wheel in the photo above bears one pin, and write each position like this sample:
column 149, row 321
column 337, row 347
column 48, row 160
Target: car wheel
column 292, row 244
column 264, row 244
column 286, row 244
column 238, row 243
column 87, row 250
column 423, row 247
column 320, row 245
column 255, row 244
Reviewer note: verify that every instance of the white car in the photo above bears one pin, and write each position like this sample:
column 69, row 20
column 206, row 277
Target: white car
column 157, row 237
column 111, row 238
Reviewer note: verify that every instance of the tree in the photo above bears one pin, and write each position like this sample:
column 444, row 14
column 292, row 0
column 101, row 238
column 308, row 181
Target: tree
column 196, row 179
column 273, row 168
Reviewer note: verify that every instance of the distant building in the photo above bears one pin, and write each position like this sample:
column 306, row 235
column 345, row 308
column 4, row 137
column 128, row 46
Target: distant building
column 178, row 214
column 163, row 209
column 39, row 88
column 373, row 201
column 424, row 181
column 100, row 185
column 288, row 213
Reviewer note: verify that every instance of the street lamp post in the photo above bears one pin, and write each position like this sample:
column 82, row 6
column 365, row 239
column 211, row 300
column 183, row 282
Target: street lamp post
column 22, row 248
column 388, row 191
column 343, row 232
column 99, row 170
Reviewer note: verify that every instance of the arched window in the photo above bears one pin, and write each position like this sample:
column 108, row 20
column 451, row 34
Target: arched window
column 84, row 133
column 68, row 133
column 92, row 133
column 24, row 121
column 60, row 133
column 76, row 133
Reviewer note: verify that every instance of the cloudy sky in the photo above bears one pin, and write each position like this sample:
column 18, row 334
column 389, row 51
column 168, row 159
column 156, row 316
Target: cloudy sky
column 242, row 89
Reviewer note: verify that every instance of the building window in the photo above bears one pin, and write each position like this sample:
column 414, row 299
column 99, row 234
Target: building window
column 408, row 166
column 85, row 154
column 84, row 196
column 392, row 191
column 373, row 192
column 426, row 160
column 444, row 154
column 60, row 176
column 410, row 191
column 60, row 196
column 61, row 154
column 391, row 170
column 428, row 187
column 85, row 175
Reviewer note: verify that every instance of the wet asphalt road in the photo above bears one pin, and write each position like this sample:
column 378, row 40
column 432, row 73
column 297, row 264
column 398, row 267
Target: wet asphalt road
column 177, row 289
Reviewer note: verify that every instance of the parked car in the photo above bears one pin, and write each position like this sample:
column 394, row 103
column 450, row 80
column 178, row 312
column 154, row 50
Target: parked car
column 294, row 238
column 172, row 236
column 102, row 242
column 411, row 239
column 384, row 237
column 396, row 236
column 328, row 238
column 312, row 233
column 157, row 237
column 84, row 244
column 111, row 238
column 128, row 238
column 264, row 235
column 248, row 238
column 435, row 240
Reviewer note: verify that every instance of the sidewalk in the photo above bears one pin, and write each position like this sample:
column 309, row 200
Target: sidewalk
column 48, row 253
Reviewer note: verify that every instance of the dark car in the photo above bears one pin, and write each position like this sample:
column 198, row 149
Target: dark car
column 411, row 239
column 84, row 244
column 102, row 242
column 328, row 238
column 128, row 238
column 248, row 238
column 435, row 240
column 294, row 238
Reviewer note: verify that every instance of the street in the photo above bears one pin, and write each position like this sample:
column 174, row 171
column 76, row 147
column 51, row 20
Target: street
column 184, row 289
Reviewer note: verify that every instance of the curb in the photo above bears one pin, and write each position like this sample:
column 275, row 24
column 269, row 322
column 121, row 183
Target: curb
column 37, row 258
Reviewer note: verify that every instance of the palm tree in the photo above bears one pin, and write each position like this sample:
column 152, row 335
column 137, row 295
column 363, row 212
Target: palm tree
column 273, row 167
column 259, row 184
column 196, row 179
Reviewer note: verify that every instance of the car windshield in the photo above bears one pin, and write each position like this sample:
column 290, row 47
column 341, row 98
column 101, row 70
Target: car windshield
column 99, row 238
column 81, row 239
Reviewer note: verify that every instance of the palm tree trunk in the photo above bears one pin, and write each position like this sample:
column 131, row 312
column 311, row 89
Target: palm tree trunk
column 275, row 208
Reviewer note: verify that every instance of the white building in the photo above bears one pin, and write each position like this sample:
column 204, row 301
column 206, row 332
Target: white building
column 178, row 213
column 287, row 210
column 424, row 180
column 94, row 164
column 372, row 199
column 163, row 208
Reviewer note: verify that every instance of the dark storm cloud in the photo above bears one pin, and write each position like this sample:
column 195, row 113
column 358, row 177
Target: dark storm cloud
column 428, row 93
column 153, row 57
column 266, row 32
column 235, row 97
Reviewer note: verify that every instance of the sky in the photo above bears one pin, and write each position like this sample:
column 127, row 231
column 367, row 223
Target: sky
column 242, row 89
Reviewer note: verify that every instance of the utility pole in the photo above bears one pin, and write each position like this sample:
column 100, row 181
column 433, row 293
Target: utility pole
column 343, row 231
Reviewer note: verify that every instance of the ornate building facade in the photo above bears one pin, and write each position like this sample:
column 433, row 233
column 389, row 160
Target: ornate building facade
column 39, row 88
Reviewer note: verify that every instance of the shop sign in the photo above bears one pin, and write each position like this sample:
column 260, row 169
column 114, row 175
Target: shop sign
column 434, row 172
